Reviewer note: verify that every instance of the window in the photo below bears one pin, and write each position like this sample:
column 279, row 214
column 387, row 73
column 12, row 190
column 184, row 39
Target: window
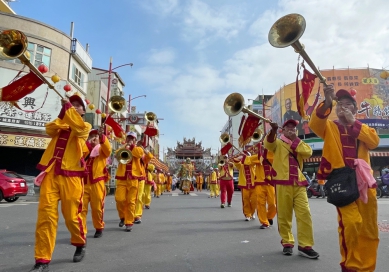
column 78, row 76
column 38, row 55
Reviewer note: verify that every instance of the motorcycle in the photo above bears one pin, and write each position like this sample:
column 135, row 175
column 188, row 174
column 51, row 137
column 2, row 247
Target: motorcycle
column 313, row 189
column 382, row 189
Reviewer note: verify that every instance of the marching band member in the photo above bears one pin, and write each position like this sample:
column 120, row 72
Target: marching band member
column 199, row 182
column 226, row 182
column 185, row 173
column 127, row 185
column 160, row 182
column 139, row 201
column 218, row 182
column 266, row 202
column 345, row 141
column 149, row 182
column 96, row 177
column 246, row 185
column 213, row 183
column 62, row 165
column 169, row 181
column 289, row 153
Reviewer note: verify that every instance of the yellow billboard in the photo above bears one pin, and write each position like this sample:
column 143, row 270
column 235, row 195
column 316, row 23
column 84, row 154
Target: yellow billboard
column 372, row 97
column 26, row 141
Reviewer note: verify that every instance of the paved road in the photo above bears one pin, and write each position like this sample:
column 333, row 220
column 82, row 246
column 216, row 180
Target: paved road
column 179, row 233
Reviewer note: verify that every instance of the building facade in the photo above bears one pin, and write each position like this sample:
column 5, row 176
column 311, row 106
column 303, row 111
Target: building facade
column 201, row 158
column 22, row 131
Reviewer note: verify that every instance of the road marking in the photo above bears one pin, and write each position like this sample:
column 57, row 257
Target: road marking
column 9, row 204
column 174, row 194
column 192, row 194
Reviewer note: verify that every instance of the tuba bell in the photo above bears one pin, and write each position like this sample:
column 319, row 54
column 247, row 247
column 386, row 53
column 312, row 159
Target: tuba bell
column 150, row 116
column 257, row 135
column 224, row 138
column 14, row 44
column 234, row 104
column 123, row 155
column 287, row 31
column 117, row 104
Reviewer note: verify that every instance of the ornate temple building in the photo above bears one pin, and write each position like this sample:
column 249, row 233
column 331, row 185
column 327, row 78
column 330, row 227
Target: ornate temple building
column 201, row 158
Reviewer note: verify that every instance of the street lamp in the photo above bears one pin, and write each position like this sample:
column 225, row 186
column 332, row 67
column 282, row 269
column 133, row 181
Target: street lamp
column 129, row 101
column 109, row 79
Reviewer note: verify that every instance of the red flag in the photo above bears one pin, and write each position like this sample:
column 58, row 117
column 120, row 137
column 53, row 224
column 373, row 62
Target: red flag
column 20, row 87
column 251, row 124
column 117, row 129
column 307, row 83
column 226, row 148
column 151, row 131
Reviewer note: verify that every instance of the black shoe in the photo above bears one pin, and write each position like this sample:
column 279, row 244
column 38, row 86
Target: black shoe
column 270, row 222
column 308, row 253
column 287, row 251
column 79, row 254
column 137, row 221
column 98, row 234
column 40, row 267
column 128, row 228
column 121, row 224
column 147, row 207
column 229, row 205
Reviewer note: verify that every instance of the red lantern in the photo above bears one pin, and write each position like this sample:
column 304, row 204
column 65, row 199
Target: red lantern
column 67, row 87
column 98, row 111
column 353, row 92
column 87, row 101
column 43, row 68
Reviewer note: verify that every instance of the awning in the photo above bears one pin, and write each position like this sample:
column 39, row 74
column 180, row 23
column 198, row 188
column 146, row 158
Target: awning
column 158, row 164
column 372, row 154
column 313, row 159
column 379, row 153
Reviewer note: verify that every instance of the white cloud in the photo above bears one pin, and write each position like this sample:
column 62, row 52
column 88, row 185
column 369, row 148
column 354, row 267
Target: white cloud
column 160, row 7
column 342, row 34
column 162, row 56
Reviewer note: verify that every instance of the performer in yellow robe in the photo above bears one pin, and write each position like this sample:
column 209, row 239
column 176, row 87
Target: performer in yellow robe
column 127, row 176
column 199, row 182
column 141, row 186
column 149, row 183
column 62, row 165
column 169, row 180
column 346, row 140
column 289, row 152
column 247, row 186
column 213, row 183
column 95, row 179
column 266, row 200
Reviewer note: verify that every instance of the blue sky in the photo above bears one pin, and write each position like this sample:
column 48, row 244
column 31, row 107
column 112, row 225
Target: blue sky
column 189, row 55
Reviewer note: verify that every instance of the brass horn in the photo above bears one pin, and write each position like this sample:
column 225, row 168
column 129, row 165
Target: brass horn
column 287, row 31
column 257, row 135
column 117, row 104
column 234, row 104
column 13, row 44
column 123, row 155
column 224, row 138
column 150, row 116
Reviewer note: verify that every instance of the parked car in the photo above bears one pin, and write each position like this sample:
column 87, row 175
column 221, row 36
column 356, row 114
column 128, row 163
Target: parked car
column 12, row 186
column 235, row 178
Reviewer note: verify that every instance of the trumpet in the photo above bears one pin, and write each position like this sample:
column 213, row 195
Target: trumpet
column 123, row 155
column 13, row 44
column 287, row 31
column 234, row 104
